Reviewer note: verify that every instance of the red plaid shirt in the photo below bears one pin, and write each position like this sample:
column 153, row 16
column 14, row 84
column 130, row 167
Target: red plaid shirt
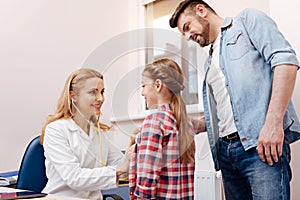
column 155, row 168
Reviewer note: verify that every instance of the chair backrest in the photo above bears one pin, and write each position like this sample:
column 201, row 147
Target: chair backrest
column 32, row 172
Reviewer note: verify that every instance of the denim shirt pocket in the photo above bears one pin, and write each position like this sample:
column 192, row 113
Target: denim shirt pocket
column 237, row 45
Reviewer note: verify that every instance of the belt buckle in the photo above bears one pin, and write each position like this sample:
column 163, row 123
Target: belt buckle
column 232, row 136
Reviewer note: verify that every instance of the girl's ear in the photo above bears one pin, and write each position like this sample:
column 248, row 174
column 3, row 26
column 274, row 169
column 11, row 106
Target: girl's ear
column 158, row 85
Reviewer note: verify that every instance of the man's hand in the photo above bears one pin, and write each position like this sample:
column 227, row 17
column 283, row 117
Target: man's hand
column 270, row 142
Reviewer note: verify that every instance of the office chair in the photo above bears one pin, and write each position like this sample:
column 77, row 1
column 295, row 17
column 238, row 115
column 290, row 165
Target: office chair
column 32, row 172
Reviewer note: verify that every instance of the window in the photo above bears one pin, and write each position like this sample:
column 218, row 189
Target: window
column 164, row 41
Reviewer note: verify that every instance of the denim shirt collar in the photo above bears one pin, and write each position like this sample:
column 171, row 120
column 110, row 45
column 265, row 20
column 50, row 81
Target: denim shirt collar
column 227, row 23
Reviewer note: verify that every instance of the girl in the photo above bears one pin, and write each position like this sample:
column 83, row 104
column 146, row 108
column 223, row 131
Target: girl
column 162, row 166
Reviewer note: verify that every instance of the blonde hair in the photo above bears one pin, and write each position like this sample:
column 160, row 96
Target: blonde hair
column 168, row 71
column 64, row 109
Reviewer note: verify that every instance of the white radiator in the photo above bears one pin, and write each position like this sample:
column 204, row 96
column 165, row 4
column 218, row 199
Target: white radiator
column 208, row 185
column 208, row 182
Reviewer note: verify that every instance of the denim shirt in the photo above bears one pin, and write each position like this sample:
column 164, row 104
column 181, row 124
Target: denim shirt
column 248, row 55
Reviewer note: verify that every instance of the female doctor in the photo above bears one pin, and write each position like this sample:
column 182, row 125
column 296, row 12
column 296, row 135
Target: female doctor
column 80, row 161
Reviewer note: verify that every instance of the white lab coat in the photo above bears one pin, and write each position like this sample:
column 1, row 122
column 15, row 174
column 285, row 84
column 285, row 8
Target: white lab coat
column 73, row 164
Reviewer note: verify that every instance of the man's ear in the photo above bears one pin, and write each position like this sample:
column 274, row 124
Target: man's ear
column 201, row 10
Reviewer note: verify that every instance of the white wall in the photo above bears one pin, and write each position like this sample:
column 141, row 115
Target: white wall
column 286, row 18
column 42, row 42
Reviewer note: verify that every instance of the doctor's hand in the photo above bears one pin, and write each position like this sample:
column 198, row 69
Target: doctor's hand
column 124, row 167
column 129, row 152
column 270, row 142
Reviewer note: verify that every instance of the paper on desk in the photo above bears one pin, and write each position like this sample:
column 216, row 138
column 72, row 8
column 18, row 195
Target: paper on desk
column 4, row 181
column 8, row 190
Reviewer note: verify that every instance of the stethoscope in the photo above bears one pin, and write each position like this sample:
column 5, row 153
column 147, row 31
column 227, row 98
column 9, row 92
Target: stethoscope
column 96, row 129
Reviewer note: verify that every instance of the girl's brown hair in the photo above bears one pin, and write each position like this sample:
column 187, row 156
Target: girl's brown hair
column 168, row 71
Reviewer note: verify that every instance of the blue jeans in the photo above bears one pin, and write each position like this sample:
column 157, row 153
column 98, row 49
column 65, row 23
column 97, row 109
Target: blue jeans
column 246, row 177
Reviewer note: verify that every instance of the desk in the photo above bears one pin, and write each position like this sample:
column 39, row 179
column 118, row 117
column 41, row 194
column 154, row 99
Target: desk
column 48, row 197
column 122, row 191
column 54, row 197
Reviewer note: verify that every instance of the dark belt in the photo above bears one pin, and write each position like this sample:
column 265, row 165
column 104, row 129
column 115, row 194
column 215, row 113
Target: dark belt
column 231, row 137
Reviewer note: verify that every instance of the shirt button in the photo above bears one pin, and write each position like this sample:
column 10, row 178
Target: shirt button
column 236, row 119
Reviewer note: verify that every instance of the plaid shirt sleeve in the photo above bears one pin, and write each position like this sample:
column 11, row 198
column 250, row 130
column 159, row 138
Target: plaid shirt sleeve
column 149, row 157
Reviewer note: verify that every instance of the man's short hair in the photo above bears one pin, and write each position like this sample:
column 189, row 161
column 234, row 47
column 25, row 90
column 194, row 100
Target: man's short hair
column 181, row 7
